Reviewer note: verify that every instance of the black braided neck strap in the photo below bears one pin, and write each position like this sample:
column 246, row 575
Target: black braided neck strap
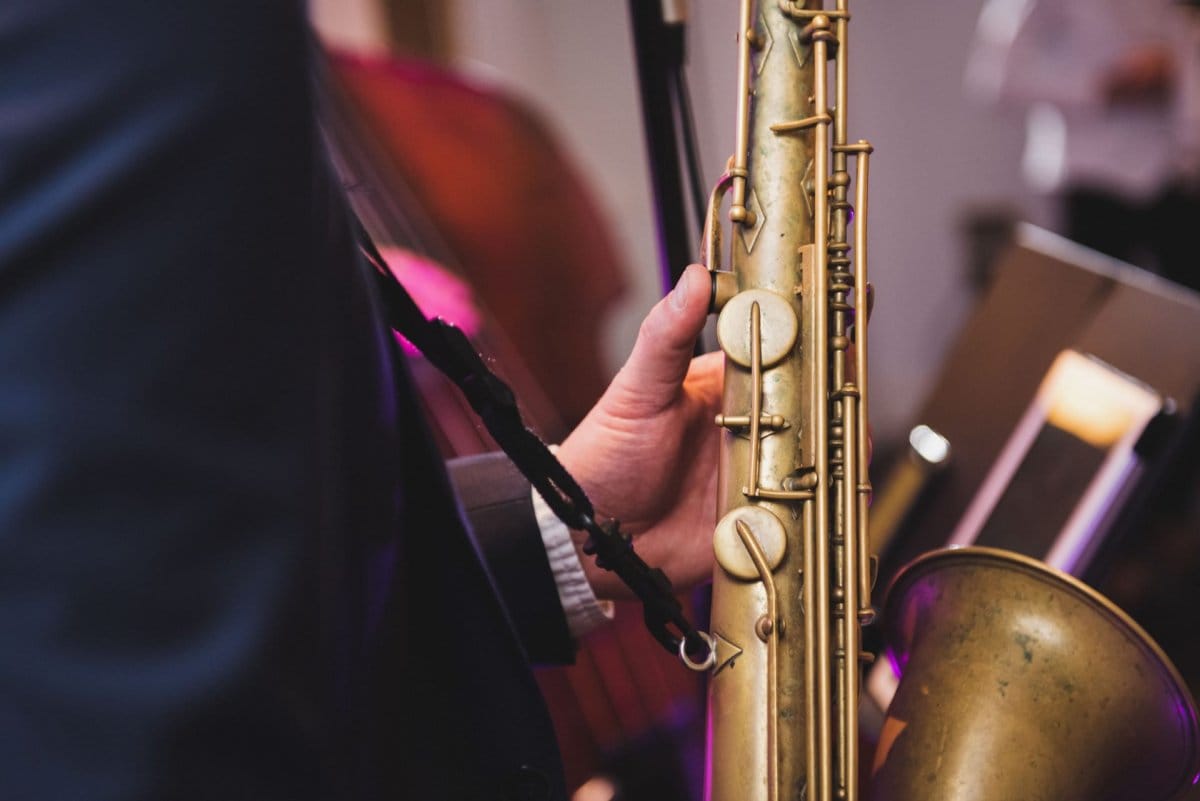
column 449, row 350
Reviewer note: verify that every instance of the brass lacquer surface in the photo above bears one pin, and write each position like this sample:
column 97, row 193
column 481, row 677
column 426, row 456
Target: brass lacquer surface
column 793, row 468
column 1020, row 682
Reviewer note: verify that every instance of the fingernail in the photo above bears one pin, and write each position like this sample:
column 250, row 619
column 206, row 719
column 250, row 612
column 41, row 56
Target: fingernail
column 679, row 295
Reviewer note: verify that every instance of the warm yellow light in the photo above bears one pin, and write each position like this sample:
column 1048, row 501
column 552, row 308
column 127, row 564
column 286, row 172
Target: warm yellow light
column 1094, row 402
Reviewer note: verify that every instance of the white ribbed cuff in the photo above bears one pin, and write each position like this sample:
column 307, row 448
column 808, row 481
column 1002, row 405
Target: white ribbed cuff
column 583, row 610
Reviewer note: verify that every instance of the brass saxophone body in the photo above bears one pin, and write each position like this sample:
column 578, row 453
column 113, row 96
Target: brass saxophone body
column 793, row 575
column 792, row 582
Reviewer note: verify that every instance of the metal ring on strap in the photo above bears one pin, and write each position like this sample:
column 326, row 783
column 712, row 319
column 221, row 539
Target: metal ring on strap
column 709, row 662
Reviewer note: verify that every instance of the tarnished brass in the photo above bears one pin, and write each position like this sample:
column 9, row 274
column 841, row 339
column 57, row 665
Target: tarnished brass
column 792, row 582
column 778, row 327
column 770, row 536
column 1021, row 682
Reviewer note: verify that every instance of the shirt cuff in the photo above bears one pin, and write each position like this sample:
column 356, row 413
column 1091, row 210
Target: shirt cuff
column 583, row 610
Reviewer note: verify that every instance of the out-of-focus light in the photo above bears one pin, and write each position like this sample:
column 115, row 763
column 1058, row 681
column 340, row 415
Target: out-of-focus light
column 929, row 444
column 1093, row 402
column 1045, row 159
column 436, row 291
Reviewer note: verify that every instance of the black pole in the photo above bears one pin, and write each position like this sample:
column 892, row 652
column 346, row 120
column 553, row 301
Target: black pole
column 658, row 49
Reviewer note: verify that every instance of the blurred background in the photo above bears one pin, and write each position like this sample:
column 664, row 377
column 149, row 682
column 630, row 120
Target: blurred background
column 944, row 158
column 510, row 140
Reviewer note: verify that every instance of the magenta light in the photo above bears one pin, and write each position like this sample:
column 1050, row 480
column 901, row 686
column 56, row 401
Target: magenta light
column 437, row 291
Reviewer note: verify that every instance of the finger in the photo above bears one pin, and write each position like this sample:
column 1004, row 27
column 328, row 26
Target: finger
column 706, row 375
column 666, row 340
column 707, row 365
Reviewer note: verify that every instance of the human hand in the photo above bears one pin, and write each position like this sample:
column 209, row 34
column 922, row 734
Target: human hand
column 646, row 454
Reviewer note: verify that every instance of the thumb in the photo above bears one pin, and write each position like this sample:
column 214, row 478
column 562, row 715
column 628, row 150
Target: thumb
column 667, row 338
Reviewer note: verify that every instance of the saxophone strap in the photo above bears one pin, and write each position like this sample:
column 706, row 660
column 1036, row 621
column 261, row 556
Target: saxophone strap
column 449, row 350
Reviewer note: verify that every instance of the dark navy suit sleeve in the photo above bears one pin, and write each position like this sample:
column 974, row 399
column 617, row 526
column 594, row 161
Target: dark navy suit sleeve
column 499, row 509
column 159, row 394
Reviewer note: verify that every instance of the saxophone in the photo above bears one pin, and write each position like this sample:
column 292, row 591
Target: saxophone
column 793, row 576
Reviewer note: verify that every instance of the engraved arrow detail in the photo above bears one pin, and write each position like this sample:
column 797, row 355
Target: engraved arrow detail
column 801, row 51
column 726, row 652
column 764, row 32
column 750, row 235
column 806, row 182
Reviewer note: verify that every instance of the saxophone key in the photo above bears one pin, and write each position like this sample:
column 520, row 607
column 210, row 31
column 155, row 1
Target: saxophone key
column 767, row 530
